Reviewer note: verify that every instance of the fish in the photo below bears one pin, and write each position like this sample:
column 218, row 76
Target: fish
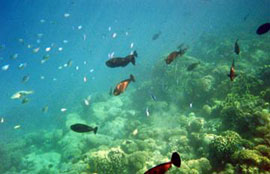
column 236, row 47
column 63, row 109
column 21, row 40
column 25, row 79
column 60, row 49
column 22, row 66
column 193, row 66
column 135, row 132
column 156, row 35
column 87, row 100
column 5, row 67
column 17, row 126
column 122, row 61
column 69, row 63
column 147, row 112
column 25, row 100
column 153, row 97
column 262, row 29
column 111, row 55
column 132, row 45
column 48, row 49
column 232, row 74
column 21, row 94
column 14, row 56
column 66, row 15
column 173, row 55
column 121, row 87
column 190, row 105
column 2, row 120
column 45, row 109
column 114, row 35
column 45, row 59
column 83, row 128
column 35, row 50
column 84, row 79
column 39, row 35
column 164, row 167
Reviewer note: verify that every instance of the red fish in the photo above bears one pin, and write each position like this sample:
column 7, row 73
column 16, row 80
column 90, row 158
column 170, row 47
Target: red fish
column 164, row 167
column 232, row 74
column 121, row 87
column 173, row 55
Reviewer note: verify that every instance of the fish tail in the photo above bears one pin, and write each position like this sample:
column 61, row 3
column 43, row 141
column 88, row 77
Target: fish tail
column 135, row 53
column 176, row 159
column 132, row 78
column 95, row 130
column 132, row 60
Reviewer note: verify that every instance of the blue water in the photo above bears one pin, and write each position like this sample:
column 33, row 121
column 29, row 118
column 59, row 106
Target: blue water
column 179, row 21
column 134, row 21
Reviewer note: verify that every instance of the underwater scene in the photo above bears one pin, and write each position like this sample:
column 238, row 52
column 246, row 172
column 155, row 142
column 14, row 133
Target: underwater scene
column 135, row 87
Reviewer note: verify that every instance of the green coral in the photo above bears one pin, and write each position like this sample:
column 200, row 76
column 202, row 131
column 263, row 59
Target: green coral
column 266, row 94
column 238, row 111
column 114, row 162
column 196, row 125
column 263, row 149
column 222, row 147
column 250, row 158
column 136, row 161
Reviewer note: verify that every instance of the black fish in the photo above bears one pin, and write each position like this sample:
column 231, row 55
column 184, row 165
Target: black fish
column 236, row 47
column 153, row 97
column 25, row 100
column 25, row 79
column 122, row 61
column 156, row 36
column 82, row 128
column 192, row 66
column 264, row 28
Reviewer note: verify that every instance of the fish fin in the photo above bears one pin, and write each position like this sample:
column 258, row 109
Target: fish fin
column 176, row 159
column 135, row 53
column 132, row 78
column 133, row 60
column 95, row 130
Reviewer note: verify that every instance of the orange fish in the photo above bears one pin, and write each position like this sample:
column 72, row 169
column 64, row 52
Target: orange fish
column 164, row 167
column 175, row 54
column 232, row 74
column 121, row 87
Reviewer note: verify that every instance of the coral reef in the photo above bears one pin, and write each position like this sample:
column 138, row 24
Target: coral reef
column 223, row 146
